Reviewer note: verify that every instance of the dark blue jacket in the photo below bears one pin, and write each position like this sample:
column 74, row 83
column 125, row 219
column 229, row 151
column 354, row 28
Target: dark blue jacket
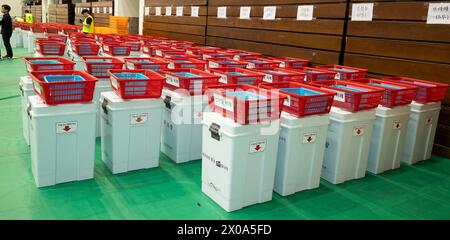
column 6, row 24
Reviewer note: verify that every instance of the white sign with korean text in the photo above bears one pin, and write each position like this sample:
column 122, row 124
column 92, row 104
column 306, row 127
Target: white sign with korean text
column 245, row 12
column 362, row 12
column 270, row 13
column 222, row 12
column 438, row 13
column 305, row 12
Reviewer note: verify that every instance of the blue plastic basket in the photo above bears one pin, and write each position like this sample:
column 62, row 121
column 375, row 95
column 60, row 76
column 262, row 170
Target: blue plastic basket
column 301, row 91
column 246, row 95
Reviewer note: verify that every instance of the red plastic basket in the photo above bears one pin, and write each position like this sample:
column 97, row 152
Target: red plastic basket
column 135, row 44
column 51, row 29
column 344, row 72
column 316, row 74
column 186, row 63
column 289, row 62
column 25, row 26
column 303, row 100
column 353, row 96
column 59, row 37
column 243, row 55
column 237, row 76
column 225, row 63
column 117, row 49
column 41, row 64
column 178, row 56
column 267, row 104
column 281, row 75
column 65, row 90
column 145, row 63
column 216, row 55
column 195, row 85
column 395, row 94
column 50, row 47
column 128, row 86
column 37, row 28
column 99, row 66
column 427, row 92
column 160, row 50
column 86, row 49
column 261, row 63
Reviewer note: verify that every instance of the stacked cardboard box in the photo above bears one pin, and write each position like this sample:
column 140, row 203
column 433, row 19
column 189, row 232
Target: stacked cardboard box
column 36, row 10
column 65, row 13
column 52, row 13
column 79, row 7
column 101, row 12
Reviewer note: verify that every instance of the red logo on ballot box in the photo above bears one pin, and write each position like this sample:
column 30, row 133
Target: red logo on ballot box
column 309, row 138
column 358, row 132
column 66, row 127
column 138, row 118
column 258, row 146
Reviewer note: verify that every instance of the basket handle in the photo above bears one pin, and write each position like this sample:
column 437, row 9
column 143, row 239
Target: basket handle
column 104, row 105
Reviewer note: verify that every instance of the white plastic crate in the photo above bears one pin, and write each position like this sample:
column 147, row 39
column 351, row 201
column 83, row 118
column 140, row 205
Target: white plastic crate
column 300, row 153
column 388, row 138
column 31, row 40
column 26, row 89
column 238, row 161
column 421, row 131
column 25, row 40
column 131, row 132
column 182, row 126
column 62, row 141
column 347, row 146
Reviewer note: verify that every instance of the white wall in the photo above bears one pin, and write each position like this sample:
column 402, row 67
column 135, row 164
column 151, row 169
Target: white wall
column 16, row 7
column 128, row 8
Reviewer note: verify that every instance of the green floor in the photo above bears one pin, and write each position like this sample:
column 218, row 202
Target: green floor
column 173, row 191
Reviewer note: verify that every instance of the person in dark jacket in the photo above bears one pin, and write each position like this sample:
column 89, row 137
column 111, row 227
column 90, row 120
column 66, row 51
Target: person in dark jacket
column 7, row 30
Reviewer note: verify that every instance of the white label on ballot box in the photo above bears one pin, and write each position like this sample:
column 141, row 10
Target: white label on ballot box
column 158, row 53
column 309, row 138
column 224, row 103
column 171, row 65
column 130, row 65
column 213, row 64
column 337, row 76
column 140, row 118
column 251, row 65
column 396, row 125
column 66, row 127
column 438, row 13
column 282, row 64
column 268, row 78
column 340, row 96
column 258, row 146
column 172, row 80
column 358, row 131
column 223, row 78
column 287, row 101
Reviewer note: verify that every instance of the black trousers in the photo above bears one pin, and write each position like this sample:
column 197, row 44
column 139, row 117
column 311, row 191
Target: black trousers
column 7, row 43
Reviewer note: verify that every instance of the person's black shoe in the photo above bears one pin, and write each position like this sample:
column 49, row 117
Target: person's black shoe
column 7, row 57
